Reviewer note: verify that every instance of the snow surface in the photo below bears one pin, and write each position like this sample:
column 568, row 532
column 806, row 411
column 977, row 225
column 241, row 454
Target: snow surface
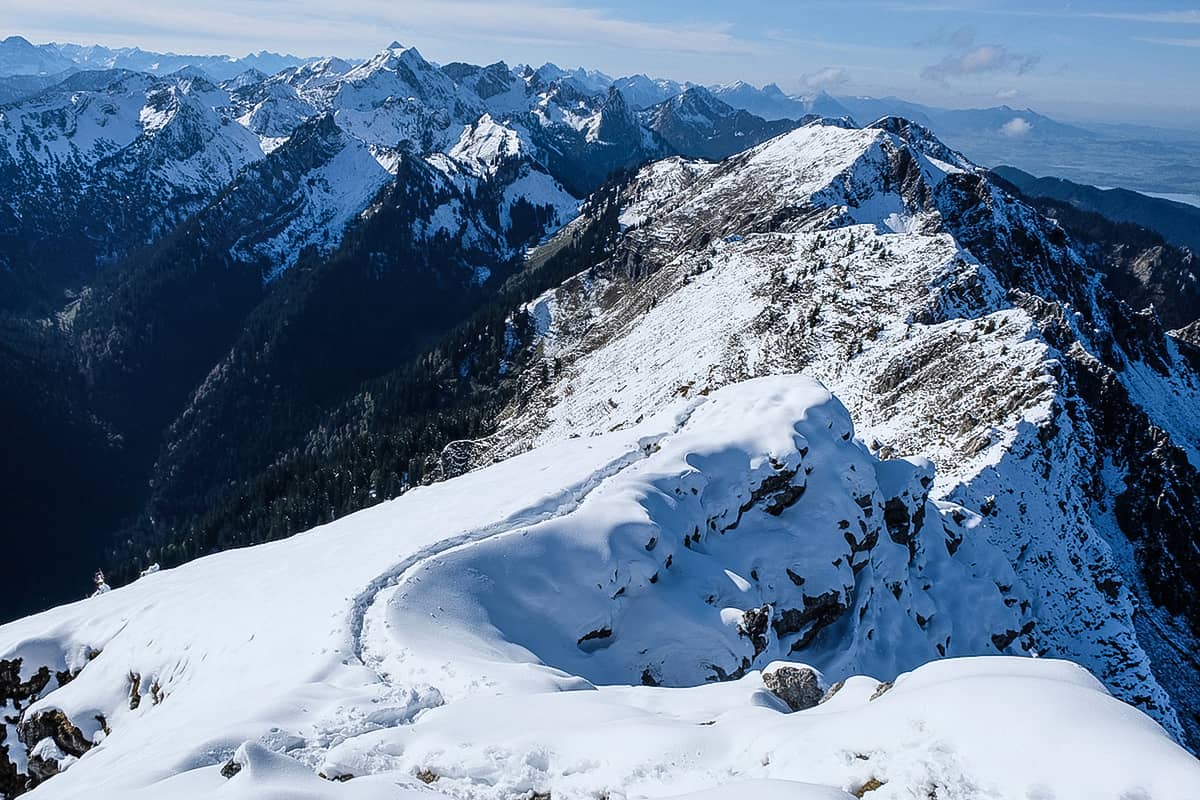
column 428, row 639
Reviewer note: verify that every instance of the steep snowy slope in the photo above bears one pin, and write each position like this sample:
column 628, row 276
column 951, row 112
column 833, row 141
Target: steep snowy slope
column 955, row 323
column 439, row 648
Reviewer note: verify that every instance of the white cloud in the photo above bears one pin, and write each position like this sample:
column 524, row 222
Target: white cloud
column 1008, row 94
column 979, row 60
column 967, row 58
column 827, row 78
column 1188, row 17
column 1016, row 128
column 1173, row 42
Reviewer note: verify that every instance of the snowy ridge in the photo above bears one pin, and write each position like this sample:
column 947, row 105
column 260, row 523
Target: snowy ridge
column 846, row 254
column 76, row 126
column 712, row 577
column 238, row 673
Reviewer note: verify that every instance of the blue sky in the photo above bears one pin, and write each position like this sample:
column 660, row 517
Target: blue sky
column 1123, row 61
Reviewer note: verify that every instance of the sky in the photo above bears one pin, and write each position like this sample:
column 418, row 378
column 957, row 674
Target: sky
column 1096, row 61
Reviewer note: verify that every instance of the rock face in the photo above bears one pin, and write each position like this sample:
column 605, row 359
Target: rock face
column 53, row 724
column 46, row 740
column 799, row 687
column 958, row 323
column 15, row 696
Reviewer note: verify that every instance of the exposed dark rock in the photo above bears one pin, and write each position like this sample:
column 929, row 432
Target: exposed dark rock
column 594, row 640
column 41, row 769
column 799, row 687
column 881, row 690
column 1003, row 640
column 14, row 690
column 12, row 783
column 818, row 613
column 53, row 724
column 135, row 691
column 754, row 627
column 899, row 522
column 954, row 540
column 16, row 695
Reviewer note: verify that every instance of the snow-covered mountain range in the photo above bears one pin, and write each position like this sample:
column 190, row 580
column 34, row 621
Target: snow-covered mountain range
column 20, row 57
column 162, row 147
column 747, row 458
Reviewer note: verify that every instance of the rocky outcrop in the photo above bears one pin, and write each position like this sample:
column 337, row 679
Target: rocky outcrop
column 53, row 724
column 799, row 687
column 15, row 696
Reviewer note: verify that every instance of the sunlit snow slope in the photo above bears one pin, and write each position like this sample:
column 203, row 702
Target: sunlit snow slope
column 489, row 637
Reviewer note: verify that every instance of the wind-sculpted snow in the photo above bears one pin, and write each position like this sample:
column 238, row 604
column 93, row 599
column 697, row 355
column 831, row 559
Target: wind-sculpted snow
column 451, row 644
column 718, row 554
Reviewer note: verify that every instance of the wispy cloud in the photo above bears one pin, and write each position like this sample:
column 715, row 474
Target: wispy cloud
column 1178, row 17
column 1186, row 17
column 961, row 37
column 825, row 79
column 967, row 58
column 1172, row 42
column 1016, row 128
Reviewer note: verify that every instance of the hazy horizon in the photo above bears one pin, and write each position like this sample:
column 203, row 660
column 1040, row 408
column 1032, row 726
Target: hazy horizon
column 1094, row 62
